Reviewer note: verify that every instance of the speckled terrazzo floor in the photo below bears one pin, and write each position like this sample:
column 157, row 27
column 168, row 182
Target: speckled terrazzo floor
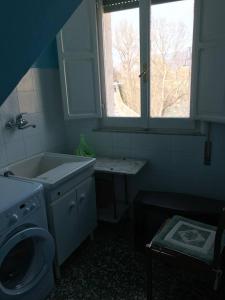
column 109, row 269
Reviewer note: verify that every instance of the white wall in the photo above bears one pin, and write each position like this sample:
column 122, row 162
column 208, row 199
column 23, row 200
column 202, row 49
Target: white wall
column 175, row 162
column 38, row 94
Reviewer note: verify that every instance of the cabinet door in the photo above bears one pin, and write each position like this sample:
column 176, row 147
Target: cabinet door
column 209, row 61
column 78, row 62
column 65, row 225
column 86, row 203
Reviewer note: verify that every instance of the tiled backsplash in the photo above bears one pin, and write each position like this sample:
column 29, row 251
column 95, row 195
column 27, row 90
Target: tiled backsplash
column 175, row 162
column 38, row 94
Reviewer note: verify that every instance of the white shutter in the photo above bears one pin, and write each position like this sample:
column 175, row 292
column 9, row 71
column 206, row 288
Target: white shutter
column 78, row 61
column 208, row 78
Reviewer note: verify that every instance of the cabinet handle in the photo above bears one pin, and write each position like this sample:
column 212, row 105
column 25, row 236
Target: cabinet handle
column 72, row 204
column 82, row 197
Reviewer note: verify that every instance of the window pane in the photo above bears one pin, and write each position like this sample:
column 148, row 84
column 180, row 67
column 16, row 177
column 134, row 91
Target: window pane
column 122, row 63
column 171, row 53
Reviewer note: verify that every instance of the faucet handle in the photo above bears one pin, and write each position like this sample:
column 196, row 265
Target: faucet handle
column 20, row 115
column 19, row 123
column 10, row 124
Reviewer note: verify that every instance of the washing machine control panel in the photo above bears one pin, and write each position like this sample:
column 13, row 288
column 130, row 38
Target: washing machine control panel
column 19, row 212
column 13, row 219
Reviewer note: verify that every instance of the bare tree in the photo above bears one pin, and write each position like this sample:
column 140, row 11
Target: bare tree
column 170, row 69
column 126, row 46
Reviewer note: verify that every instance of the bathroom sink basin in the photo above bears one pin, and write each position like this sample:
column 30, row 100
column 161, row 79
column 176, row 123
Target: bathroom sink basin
column 49, row 168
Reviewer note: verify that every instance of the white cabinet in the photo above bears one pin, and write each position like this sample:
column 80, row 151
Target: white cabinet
column 73, row 217
column 209, row 61
column 65, row 224
column 86, row 207
column 78, row 62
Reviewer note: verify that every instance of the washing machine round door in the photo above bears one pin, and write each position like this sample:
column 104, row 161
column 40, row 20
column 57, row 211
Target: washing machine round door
column 25, row 258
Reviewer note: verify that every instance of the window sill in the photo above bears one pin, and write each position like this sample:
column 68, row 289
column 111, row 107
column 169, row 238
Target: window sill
column 192, row 132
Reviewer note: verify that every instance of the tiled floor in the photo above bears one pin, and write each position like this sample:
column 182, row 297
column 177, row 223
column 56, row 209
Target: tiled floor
column 109, row 269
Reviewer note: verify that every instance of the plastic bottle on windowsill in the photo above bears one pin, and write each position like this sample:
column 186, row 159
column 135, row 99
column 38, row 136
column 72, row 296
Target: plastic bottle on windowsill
column 83, row 148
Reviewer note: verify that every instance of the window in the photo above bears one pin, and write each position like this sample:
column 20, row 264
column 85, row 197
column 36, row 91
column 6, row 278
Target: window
column 171, row 55
column 122, row 63
column 147, row 64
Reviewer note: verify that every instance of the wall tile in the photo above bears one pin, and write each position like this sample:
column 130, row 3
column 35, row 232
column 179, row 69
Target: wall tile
column 36, row 76
column 102, row 142
column 175, row 162
column 187, row 144
column 159, row 142
column 15, row 150
column 44, row 109
column 26, row 84
column 10, row 107
column 121, row 140
column 9, row 110
column 34, row 144
column 27, row 101
column 3, row 157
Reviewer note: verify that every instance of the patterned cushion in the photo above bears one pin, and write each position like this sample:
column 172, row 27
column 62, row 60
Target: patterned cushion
column 188, row 237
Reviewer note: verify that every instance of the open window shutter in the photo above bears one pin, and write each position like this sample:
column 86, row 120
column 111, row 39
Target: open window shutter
column 208, row 76
column 78, row 60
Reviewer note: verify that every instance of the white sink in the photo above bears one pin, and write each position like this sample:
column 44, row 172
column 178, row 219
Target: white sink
column 49, row 168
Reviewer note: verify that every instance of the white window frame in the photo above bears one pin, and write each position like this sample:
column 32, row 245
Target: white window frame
column 145, row 122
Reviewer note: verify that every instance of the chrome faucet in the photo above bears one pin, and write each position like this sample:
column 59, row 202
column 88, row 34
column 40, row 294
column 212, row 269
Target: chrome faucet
column 19, row 123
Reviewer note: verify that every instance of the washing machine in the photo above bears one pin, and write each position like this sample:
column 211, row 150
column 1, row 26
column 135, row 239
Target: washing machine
column 26, row 246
